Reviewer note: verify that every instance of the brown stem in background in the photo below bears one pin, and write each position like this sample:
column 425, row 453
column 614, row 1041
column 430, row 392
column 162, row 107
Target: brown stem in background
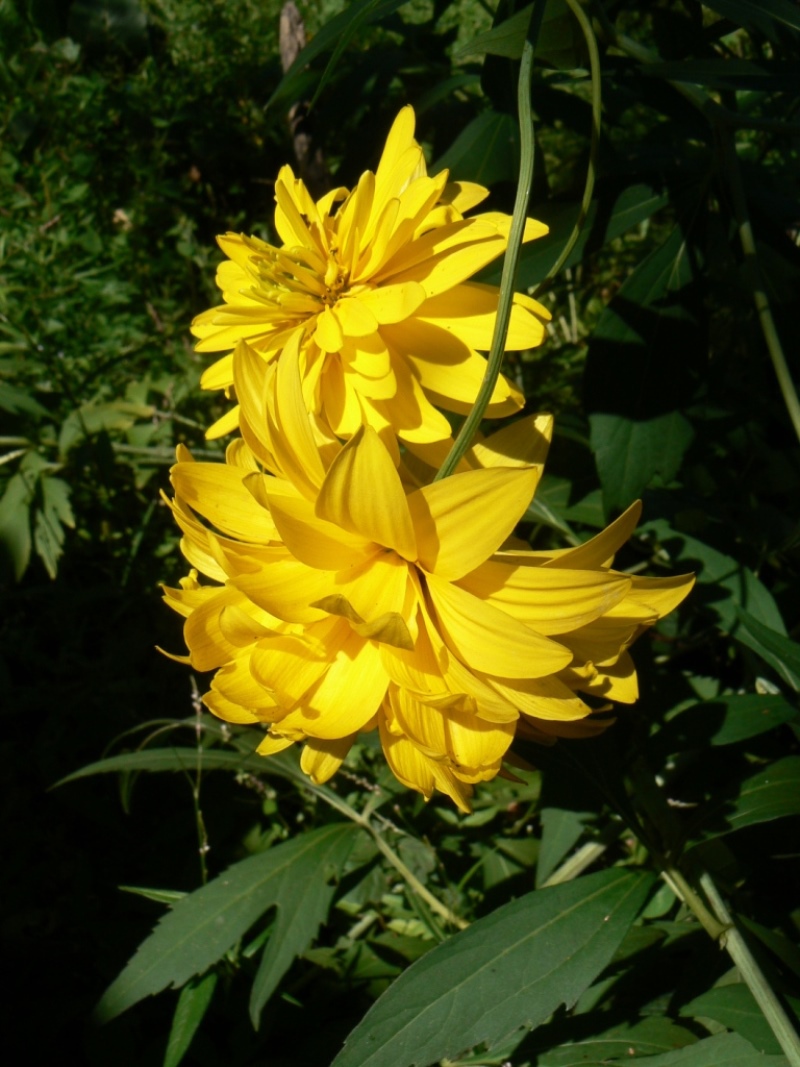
column 311, row 164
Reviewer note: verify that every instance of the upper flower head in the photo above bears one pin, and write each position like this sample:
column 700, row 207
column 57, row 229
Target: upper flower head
column 372, row 283
column 350, row 599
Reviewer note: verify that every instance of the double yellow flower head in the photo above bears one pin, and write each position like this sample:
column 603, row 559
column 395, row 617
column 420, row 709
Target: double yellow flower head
column 348, row 592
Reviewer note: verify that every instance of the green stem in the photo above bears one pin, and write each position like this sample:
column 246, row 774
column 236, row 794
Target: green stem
column 716, row 921
column 597, row 108
column 760, row 300
column 739, row 952
column 473, row 420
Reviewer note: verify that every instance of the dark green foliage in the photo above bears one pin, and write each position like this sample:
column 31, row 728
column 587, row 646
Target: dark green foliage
column 133, row 132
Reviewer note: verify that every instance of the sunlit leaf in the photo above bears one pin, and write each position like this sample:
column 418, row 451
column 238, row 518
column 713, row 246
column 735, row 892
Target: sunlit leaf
column 508, row 970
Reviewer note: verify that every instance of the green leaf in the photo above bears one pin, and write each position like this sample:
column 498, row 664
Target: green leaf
column 511, row 969
column 486, row 150
column 647, row 1038
column 559, row 41
column 722, row 1050
column 185, row 759
column 630, row 455
column 724, row 585
column 90, row 419
column 781, row 653
column 643, row 357
column 608, row 217
column 786, row 951
column 735, row 1007
column 721, row 74
column 54, row 513
column 560, row 831
column 19, row 401
column 192, row 1006
column 294, row 877
column 15, row 523
column 336, row 34
column 760, row 13
column 160, row 896
column 770, row 794
column 724, row 721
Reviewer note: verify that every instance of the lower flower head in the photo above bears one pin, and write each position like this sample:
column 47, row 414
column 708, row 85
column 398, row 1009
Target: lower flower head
column 347, row 599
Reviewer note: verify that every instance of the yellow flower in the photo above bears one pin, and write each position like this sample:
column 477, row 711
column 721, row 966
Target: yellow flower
column 348, row 600
column 373, row 284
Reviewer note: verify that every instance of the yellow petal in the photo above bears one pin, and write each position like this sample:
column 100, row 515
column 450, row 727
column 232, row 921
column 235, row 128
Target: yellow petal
column 224, row 425
column 339, row 400
column 393, row 303
column 219, row 375
column 488, row 640
column 463, row 195
column 328, row 334
column 311, row 539
column 542, row 698
column 400, row 138
column 448, row 368
column 286, row 588
column 347, row 696
column 469, row 311
column 454, row 536
column 362, row 493
column 409, row 412
column 320, row 760
column 289, row 665
column 551, row 601
column 522, row 443
column 355, row 318
column 217, row 492
column 600, row 549
column 292, row 436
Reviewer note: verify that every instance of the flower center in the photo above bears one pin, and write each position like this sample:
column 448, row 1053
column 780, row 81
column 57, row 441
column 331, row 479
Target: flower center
column 335, row 283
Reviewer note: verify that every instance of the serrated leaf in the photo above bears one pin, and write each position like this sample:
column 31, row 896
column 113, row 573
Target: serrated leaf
column 160, row 896
column 185, row 759
column 630, row 453
column 777, row 650
column 90, row 419
column 18, row 401
column 54, row 513
column 15, row 523
column 735, row 1007
column 512, row 968
column 293, row 877
column 771, row 794
column 722, row 1050
column 190, row 1011
column 486, row 150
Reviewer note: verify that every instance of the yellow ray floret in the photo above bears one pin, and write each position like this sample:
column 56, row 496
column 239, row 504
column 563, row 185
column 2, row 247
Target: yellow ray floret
column 343, row 598
column 372, row 286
